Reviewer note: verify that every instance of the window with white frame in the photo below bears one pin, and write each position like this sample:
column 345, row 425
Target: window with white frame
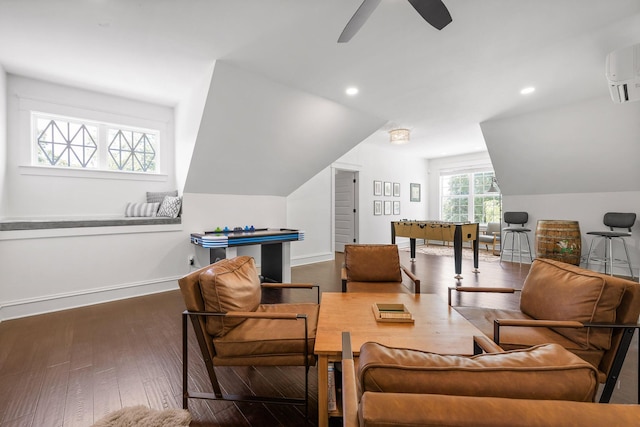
column 466, row 197
column 68, row 142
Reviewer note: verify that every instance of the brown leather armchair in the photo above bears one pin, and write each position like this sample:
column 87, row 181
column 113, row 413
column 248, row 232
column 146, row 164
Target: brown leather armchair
column 592, row 315
column 541, row 386
column 375, row 268
column 233, row 328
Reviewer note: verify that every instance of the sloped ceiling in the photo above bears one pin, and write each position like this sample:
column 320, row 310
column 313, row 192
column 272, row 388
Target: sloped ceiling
column 440, row 84
column 587, row 147
column 259, row 137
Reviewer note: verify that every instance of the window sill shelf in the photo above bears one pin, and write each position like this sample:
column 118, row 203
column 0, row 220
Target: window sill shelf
column 16, row 229
column 90, row 173
column 41, row 224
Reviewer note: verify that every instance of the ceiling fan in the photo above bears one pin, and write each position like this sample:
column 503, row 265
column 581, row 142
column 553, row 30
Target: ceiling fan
column 433, row 11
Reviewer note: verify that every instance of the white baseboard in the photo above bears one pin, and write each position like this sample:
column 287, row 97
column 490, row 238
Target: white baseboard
column 312, row 259
column 63, row 301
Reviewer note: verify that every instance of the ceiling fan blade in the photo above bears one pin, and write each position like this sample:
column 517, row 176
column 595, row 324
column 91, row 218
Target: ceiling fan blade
column 433, row 11
column 358, row 19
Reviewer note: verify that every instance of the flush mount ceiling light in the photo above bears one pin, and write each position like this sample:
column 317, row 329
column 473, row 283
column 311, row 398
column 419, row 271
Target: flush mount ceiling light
column 528, row 90
column 399, row 136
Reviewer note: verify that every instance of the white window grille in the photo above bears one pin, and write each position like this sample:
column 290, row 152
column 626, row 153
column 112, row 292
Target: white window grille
column 67, row 142
column 466, row 197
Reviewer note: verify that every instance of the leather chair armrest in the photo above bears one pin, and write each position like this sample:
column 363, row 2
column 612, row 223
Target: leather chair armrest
column 482, row 343
column 248, row 314
column 349, row 385
column 293, row 286
column 413, row 277
column 343, row 277
column 612, row 325
column 289, row 285
column 497, row 323
column 481, row 289
column 254, row 315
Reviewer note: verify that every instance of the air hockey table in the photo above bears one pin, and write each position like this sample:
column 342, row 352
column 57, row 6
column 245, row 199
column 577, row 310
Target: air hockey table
column 274, row 248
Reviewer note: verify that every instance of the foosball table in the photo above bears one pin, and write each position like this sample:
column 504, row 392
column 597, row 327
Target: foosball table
column 455, row 232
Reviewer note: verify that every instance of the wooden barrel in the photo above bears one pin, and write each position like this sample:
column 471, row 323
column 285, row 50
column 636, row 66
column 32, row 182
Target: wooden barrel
column 559, row 240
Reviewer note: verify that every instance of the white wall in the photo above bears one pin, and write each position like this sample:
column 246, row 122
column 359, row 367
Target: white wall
column 42, row 192
column 187, row 123
column 206, row 212
column 586, row 147
column 310, row 207
column 276, row 136
column 48, row 270
column 3, row 142
column 588, row 209
column 3, row 158
column 574, row 162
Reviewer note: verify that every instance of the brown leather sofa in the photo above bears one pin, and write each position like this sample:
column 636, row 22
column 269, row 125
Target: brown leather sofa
column 592, row 315
column 541, row 386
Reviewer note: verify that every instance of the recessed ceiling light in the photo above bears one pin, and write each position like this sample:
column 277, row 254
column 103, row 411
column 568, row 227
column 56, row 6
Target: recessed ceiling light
column 528, row 90
column 352, row 91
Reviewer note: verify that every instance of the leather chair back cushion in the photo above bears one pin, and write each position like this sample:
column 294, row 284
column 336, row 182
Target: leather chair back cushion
column 229, row 285
column 555, row 290
column 379, row 287
column 372, row 263
column 541, row 372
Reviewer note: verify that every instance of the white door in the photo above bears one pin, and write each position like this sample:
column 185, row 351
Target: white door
column 345, row 209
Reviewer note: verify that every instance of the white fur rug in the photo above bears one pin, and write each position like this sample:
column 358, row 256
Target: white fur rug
column 141, row 416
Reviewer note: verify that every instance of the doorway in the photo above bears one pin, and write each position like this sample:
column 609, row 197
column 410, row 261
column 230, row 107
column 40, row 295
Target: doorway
column 346, row 212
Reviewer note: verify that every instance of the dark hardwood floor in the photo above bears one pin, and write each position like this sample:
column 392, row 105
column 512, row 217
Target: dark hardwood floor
column 70, row 368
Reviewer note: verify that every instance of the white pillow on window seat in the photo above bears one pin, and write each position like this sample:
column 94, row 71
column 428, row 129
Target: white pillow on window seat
column 141, row 209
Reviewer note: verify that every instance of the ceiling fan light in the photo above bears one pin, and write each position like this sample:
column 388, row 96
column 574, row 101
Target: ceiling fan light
column 399, row 136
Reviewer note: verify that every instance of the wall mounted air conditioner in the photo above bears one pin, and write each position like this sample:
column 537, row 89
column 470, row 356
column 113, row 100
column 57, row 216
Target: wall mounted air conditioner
column 623, row 73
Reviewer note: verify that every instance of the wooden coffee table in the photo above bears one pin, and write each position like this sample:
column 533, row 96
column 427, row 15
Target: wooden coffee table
column 437, row 328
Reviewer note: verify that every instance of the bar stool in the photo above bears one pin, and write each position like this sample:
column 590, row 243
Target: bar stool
column 612, row 220
column 516, row 219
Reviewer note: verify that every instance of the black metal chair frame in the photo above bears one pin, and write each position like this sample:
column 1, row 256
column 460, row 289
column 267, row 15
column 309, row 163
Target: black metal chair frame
column 217, row 391
column 613, row 220
column 519, row 218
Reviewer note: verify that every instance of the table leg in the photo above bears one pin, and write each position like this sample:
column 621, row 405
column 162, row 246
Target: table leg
column 323, row 390
column 476, row 245
column 412, row 243
column 457, row 251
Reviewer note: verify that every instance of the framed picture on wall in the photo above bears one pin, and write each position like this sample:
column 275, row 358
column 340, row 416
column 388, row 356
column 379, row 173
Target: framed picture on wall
column 387, row 207
column 396, row 189
column 396, row 207
column 387, row 189
column 377, row 188
column 377, row 207
column 414, row 192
